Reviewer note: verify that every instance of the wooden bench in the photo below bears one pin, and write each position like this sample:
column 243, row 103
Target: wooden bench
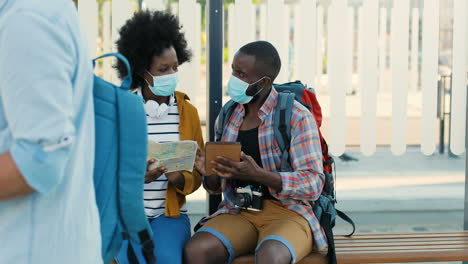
column 392, row 248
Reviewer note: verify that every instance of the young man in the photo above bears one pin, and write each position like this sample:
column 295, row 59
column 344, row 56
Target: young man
column 48, row 211
column 285, row 229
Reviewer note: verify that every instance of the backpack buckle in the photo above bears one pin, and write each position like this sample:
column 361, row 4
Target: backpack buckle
column 329, row 162
column 282, row 128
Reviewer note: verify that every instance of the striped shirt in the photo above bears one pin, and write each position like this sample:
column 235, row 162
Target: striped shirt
column 300, row 186
column 164, row 129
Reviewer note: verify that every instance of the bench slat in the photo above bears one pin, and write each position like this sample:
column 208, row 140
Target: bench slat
column 402, row 256
column 381, row 234
column 402, row 235
column 402, row 244
column 402, row 248
column 396, row 237
column 402, row 240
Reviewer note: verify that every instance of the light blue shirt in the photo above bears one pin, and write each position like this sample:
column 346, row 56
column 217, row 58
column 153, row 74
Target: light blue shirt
column 47, row 124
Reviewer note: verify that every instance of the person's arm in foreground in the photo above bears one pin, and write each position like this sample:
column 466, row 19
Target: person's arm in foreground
column 12, row 183
column 36, row 65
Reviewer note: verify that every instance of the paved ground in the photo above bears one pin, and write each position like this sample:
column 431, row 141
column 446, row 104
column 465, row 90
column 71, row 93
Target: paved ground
column 412, row 192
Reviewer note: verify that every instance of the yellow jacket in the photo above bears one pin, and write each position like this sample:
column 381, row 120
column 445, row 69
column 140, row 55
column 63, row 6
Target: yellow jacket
column 189, row 129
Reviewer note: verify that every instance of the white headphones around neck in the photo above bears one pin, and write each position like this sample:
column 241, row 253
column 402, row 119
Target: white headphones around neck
column 156, row 110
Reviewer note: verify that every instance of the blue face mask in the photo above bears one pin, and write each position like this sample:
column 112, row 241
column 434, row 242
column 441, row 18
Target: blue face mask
column 164, row 85
column 237, row 90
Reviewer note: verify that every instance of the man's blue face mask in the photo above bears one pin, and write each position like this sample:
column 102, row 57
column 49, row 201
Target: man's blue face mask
column 237, row 90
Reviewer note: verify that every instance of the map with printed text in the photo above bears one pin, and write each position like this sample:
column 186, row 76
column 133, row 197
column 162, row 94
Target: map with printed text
column 174, row 156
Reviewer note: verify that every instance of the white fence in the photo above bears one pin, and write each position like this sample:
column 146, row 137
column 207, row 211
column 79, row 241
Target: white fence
column 381, row 73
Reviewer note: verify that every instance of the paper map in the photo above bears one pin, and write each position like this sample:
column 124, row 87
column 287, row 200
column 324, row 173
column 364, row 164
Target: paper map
column 174, row 156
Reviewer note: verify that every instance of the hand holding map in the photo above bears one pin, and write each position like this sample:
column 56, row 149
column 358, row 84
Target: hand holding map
column 174, row 156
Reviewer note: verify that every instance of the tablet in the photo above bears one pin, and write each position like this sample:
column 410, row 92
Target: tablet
column 229, row 150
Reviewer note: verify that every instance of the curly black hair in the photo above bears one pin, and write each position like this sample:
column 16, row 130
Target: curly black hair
column 148, row 34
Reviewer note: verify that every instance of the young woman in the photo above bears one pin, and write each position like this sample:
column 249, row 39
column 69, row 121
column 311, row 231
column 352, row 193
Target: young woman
column 155, row 47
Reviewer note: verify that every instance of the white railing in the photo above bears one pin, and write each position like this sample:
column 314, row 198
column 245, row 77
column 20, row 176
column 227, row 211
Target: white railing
column 460, row 61
column 380, row 83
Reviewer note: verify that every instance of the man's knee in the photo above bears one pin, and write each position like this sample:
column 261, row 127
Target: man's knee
column 273, row 252
column 194, row 249
column 204, row 248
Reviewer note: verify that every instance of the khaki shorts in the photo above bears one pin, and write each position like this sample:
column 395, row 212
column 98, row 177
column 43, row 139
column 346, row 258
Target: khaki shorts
column 244, row 233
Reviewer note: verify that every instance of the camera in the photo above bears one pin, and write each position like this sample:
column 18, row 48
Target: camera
column 249, row 197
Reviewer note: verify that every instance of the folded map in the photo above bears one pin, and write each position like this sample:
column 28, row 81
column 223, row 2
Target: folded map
column 174, row 156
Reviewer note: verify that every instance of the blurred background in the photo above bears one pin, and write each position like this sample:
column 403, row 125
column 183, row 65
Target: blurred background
column 391, row 76
column 375, row 64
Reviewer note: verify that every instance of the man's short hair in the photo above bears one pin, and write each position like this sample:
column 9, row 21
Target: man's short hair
column 267, row 59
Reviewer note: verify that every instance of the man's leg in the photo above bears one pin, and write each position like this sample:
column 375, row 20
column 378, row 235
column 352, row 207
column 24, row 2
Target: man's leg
column 220, row 240
column 284, row 238
column 273, row 252
column 204, row 248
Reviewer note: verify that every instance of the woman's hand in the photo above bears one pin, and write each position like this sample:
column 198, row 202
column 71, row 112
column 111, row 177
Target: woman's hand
column 200, row 162
column 154, row 174
column 177, row 179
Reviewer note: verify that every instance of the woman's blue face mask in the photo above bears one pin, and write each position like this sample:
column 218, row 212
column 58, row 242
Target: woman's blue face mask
column 237, row 90
column 164, row 85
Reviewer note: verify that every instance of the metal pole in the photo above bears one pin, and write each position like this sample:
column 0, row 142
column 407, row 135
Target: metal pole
column 440, row 113
column 215, row 75
column 449, row 116
column 465, row 225
column 466, row 166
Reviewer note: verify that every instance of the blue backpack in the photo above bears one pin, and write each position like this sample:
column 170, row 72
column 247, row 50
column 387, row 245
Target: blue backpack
column 120, row 165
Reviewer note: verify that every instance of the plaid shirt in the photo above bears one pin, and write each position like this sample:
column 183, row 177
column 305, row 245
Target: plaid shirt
column 299, row 187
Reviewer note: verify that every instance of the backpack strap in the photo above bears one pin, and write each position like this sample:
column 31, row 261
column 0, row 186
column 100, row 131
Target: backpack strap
column 127, row 80
column 148, row 254
column 131, row 256
column 132, row 130
column 223, row 118
column 282, row 126
column 348, row 219
column 325, row 222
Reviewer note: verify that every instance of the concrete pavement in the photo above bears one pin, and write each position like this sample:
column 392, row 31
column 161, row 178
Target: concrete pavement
column 383, row 192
